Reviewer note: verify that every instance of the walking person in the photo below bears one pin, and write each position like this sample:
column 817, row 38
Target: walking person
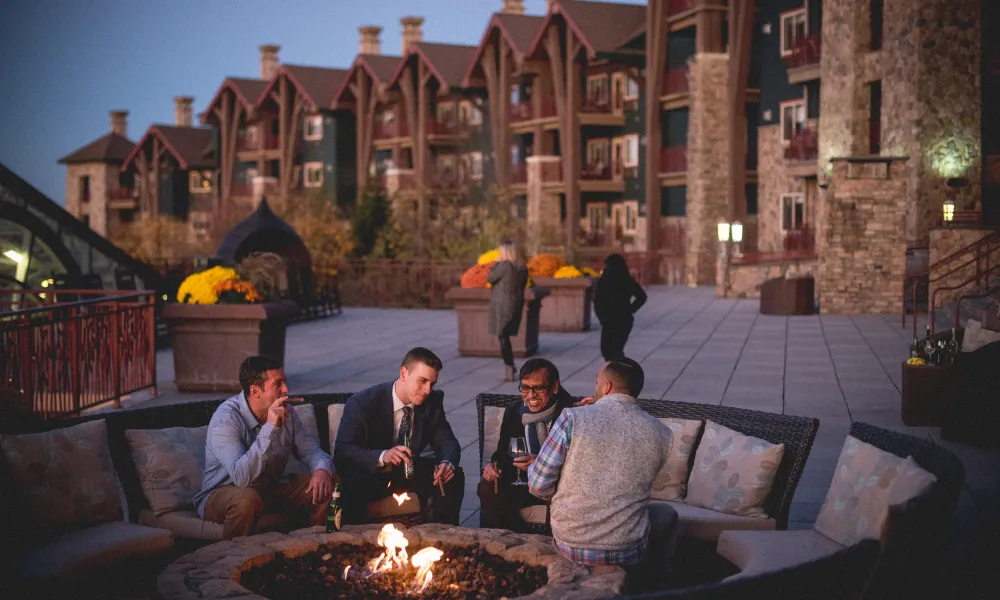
column 616, row 301
column 509, row 276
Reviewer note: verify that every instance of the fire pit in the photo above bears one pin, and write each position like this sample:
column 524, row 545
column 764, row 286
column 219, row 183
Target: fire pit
column 386, row 561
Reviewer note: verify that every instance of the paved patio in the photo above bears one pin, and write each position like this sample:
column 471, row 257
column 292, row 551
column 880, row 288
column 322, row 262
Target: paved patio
column 694, row 348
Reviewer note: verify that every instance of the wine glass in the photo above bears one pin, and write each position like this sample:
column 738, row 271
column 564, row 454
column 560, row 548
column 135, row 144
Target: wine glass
column 518, row 449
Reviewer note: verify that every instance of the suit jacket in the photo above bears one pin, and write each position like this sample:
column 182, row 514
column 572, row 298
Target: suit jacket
column 366, row 430
column 511, row 427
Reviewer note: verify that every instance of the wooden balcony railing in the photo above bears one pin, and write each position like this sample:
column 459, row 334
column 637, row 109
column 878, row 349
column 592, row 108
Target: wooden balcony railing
column 675, row 81
column 384, row 131
column 268, row 142
column 804, row 145
column 962, row 218
column 805, row 51
column 673, row 159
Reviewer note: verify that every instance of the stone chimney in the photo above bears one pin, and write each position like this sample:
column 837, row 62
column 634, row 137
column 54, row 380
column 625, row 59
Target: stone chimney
column 413, row 32
column 268, row 61
column 182, row 111
column 371, row 42
column 513, row 7
column 119, row 122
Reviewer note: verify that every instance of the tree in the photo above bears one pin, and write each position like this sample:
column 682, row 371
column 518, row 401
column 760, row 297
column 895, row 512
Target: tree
column 370, row 219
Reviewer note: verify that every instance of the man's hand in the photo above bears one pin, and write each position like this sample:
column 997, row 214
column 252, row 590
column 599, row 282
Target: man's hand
column 524, row 462
column 320, row 486
column 490, row 472
column 586, row 401
column 397, row 456
column 443, row 473
column 278, row 412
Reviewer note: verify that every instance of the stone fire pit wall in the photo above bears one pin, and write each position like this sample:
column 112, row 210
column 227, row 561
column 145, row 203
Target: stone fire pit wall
column 215, row 571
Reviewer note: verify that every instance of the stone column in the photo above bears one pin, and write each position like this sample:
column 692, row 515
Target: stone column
column 708, row 164
column 543, row 207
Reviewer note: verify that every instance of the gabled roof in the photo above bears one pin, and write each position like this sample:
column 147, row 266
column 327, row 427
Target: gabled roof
column 111, row 148
column 318, row 85
column 246, row 91
column 379, row 67
column 518, row 30
column 446, row 62
column 190, row 146
column 602, row 27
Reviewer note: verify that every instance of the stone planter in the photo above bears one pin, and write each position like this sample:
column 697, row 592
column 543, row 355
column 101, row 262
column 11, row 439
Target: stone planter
column 472, row 306
column 568, row 305
column 211, row 341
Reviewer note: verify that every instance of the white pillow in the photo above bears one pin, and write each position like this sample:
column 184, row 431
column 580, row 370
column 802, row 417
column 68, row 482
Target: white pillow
column 976, row 337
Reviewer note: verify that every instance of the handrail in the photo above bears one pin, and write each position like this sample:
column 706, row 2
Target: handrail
column 993, row 238
column 958, row 286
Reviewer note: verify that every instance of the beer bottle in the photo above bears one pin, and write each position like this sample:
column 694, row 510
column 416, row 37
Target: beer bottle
column 408, row 469
column 333, row 517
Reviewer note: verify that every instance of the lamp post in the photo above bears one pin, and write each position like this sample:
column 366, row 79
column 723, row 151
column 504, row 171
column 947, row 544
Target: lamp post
column 948, row 211
column 724, row 230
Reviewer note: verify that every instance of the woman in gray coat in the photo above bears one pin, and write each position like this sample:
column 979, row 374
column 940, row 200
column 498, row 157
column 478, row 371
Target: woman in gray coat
column 508, row 277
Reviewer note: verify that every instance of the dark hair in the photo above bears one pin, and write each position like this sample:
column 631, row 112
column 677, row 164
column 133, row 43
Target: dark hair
column 423, row 356
column 535, row 365
column 615, row 267
column 626, row 375
column 254, row 370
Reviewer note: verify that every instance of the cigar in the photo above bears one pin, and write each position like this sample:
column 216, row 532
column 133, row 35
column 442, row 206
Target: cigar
column 496, row 486
column 441, row 486
column 295, row 400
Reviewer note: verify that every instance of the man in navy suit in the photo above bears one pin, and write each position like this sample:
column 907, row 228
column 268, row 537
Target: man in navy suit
column 371, row 455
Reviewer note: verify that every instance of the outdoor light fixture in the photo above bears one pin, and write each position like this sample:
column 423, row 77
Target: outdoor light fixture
column 15, row 256
column 737, row 229
column 948, row 211
column 723, row 232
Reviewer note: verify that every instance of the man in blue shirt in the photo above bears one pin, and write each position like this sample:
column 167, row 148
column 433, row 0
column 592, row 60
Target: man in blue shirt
column 250, row 439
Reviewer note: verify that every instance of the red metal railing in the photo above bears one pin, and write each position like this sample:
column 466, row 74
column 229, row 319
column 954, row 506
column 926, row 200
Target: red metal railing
column 673, row 159
column 803, row 145
column 519, row 173
column 385, row 131
column 963, row 218
column 675, row 81
column 446, row 127
column 979, row 258
column 599, row 105
column 523, row 111
column 801, row 239
column 66, row 357
column 268, row 142
column 805, row 51
column 596, row 171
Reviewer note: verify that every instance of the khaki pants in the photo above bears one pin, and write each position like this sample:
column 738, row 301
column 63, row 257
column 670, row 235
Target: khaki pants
column 238, row 509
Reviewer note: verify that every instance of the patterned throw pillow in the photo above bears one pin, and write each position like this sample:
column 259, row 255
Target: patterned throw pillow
column 671, row 482
column 63, row 479
column 857, row 502
column 170, row 463
column 492, row 422
column 733, row 473
column 912, row 481
column 334, row 413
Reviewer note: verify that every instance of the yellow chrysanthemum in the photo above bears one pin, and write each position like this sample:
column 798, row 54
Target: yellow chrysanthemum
column 200, row 287
column 489, row 257
column 587, row 271
column 568, row 272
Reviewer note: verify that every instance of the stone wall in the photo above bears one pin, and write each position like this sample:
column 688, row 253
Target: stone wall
column 774, row 179
column 103, row 181
column 862, row 239
column 708, row 164
column 948, row 240
column 544, row 213
column 842, row 105
column 745, row 280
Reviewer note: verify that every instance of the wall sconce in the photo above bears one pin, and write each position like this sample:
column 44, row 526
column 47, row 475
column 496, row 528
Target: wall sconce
column 724, row 232
column 737, row 232
column 948, row 211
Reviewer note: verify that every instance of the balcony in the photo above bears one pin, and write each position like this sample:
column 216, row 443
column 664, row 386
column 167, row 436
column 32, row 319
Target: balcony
column 675, row 81
column 596, row 105
column 601, row 176
column 268, row 142
column 673, row 159
column 800, row 240
column 519, row 174
column 803, row 145
column 679, row 6
column 524, row 111
column 450, row 128
column 388, row 131
column 803, row 62
column 123, row 198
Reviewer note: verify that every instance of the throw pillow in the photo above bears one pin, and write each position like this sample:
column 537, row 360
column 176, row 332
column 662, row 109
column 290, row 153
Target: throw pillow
column 912, row 481
column 492, row 423
column 170, row 463
column 63, row 479
column 857, row 502
column 733, row 473
column 306, row 414
column 976, row 337
column 334, row 412
column 671, row 482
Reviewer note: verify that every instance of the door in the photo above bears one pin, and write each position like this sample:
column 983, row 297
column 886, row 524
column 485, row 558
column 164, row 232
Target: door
column 618, row 162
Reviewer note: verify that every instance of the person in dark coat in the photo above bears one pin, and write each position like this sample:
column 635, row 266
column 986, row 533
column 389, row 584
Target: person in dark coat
column 543, row 400
column 387, row 427
column 616, row 301
column 509, row 276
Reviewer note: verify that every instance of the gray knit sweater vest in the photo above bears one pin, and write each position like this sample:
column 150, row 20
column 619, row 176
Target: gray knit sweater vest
column 615, row 451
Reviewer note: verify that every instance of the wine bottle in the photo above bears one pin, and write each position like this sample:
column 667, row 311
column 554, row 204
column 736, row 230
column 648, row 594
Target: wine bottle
column 333, row 517
column 928, row 345
column 953, row 346
column 915, row 348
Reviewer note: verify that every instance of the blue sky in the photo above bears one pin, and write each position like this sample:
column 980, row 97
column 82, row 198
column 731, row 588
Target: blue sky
column 66, row 63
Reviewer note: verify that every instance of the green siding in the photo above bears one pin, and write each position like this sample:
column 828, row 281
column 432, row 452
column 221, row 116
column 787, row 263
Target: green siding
column 673, row 201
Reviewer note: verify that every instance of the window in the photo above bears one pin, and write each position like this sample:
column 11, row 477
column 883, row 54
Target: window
column 598, row 151
column 597, row 89
column 631, row 150
column 793, row 211
column 471, row 114
column 475, row 160
column 446, row 112
column 794, row 26
column 312, row 128
column 85, row 188
column 250, row 174
column 626, row 217
column 875, row 117
column 793, row 119
column 314, row 174
column 515, row 155
column 631, row 89
column 251, row 134
column 515, row 95
column 597, row 215
column 876, row 22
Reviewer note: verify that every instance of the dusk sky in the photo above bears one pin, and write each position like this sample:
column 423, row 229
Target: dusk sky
column 67, row 63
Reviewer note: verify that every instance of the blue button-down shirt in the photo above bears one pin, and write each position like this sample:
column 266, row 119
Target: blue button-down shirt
column 242, row 452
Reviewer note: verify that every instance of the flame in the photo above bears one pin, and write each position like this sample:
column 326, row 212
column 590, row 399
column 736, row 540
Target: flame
column 424, row 561
column 401, row 498
column 346, row 569
column 395, row 550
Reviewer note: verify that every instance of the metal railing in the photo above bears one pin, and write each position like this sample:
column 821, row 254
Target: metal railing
column 806, row 51
column 524, row 111
column 64, row 357
column 675, row 81
column 673, row 159
column 803, row 145
column 409, row 283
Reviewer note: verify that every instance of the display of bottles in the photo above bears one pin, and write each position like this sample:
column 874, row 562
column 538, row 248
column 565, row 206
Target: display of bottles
column 936, row 352
column 333, row 517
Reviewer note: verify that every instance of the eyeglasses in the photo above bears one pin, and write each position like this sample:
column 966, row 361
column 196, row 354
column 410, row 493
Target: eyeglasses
column 529, row 389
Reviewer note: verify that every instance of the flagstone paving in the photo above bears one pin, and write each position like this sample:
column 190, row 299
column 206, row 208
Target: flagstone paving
column 694, row 348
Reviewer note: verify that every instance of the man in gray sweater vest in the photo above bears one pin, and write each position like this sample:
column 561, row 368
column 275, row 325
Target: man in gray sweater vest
column 597, row 466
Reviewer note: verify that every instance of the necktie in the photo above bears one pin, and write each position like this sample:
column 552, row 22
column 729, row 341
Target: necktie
column 404, row 425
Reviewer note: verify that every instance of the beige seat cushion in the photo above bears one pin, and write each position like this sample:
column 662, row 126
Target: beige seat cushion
column 91, row 547
column 307, row 414
column 534, row 514
column 63, row 479
column 755, row 552
column 334, row 413
column 170, row 463
column 706, row 524
column 857, row 503
column 733, row 472
column 182, row 523
column 671, row 481
column 492, row 420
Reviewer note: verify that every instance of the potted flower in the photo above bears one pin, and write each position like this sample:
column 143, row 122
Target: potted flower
column 472, row 307
column 572, row 293
column 219, row 319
